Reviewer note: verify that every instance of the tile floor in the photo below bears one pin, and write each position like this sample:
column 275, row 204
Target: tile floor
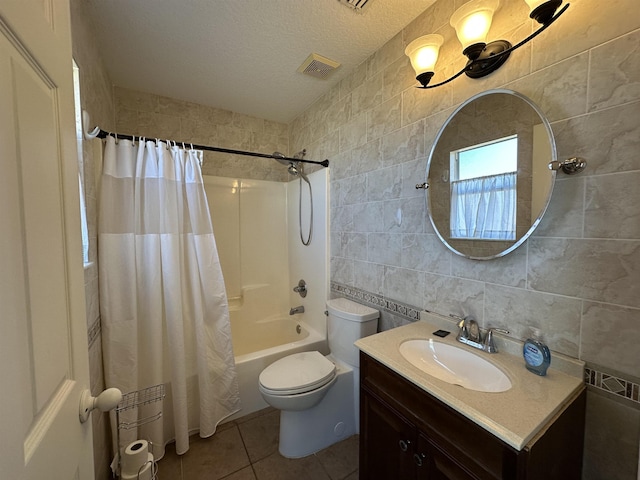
column 247, row 449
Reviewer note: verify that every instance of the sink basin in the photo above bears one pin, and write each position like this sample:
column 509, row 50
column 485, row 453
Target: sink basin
column 455, row 365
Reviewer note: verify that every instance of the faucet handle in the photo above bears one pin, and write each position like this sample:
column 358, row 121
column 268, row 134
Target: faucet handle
column 488, row 344
column 462, row 325
column 474, row 329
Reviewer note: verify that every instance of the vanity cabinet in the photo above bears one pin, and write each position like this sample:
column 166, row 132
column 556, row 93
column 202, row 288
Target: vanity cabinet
column 406, row 433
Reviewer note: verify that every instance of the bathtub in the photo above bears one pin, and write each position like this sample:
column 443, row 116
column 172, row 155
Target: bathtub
column 259, row 343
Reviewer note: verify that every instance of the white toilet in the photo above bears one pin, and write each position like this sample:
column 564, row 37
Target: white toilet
column 318, row 396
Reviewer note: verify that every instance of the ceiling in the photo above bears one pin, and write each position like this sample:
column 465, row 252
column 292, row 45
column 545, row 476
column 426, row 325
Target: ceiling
column 241, row 55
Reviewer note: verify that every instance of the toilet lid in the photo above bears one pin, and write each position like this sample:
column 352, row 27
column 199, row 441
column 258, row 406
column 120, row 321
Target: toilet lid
column 297, row 373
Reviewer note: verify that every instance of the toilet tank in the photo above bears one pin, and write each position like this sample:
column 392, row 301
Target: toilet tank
column 347, row 322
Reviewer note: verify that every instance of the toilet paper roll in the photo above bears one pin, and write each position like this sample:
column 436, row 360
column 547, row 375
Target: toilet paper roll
column 134, row 456
column 143, row 472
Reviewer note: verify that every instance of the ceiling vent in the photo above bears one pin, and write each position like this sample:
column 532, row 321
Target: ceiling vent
column 318, row 66
column 357, row 5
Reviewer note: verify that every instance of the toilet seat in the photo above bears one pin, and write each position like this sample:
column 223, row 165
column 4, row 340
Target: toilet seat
column 297, row 373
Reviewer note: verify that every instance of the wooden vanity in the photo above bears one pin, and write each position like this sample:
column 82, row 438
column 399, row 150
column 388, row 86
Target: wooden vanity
column 413, row 426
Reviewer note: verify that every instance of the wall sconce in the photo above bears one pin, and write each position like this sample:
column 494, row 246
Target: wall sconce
column 472, row 22
column 423, row 53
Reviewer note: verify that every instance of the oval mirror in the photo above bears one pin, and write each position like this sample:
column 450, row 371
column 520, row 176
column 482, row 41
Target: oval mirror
column 488, row 175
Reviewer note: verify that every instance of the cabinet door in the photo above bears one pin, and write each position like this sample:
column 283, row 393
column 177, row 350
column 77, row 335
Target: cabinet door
column 441, row 465
column 387, row 442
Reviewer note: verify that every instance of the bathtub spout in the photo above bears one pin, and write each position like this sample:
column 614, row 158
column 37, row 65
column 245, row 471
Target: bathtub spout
column 295, row 310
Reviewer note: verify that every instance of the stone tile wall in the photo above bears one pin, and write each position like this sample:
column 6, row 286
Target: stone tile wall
column 155, row 116
column 97, row 99
column 578, row 278
column 139, row 113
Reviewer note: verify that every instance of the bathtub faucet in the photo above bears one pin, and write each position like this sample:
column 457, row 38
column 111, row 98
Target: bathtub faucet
column 295, row 310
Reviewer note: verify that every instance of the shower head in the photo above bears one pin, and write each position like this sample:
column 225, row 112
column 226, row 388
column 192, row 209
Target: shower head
column 297, row 169
column 294, row 168
column 281, row 158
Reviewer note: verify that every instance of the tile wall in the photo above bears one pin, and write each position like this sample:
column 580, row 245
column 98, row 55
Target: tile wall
column 578, row 278
column 97, row 99
column 155, row 116
column 138, row 113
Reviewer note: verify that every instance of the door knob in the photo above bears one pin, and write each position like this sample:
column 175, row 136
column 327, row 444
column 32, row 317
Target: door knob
column 107, row 400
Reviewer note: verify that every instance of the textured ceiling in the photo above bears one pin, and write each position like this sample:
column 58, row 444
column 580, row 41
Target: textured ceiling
column 241, row 55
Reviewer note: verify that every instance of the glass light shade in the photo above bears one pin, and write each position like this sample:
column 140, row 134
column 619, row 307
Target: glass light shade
column 423, row 52
column 473, row 20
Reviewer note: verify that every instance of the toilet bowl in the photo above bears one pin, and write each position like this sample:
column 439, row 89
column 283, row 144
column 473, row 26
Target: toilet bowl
column 318, row 396
column 298, row 381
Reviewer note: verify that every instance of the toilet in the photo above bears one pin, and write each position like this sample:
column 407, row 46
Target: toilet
column 318, row 396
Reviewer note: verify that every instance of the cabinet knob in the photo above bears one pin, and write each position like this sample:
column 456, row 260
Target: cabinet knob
column 419, row 458
column 404, row 445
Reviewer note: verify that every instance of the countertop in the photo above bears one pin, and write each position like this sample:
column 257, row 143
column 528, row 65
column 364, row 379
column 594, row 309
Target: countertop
column 515, row 416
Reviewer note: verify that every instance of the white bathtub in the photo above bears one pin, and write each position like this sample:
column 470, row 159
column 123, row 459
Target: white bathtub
column 262, row 342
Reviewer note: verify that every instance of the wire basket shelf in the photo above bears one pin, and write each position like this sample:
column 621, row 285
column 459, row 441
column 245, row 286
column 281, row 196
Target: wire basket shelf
column 141, row 397
column 137, row 399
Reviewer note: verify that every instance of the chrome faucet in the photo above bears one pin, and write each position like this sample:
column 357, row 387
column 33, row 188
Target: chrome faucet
column 471, row 335
column 295, row 310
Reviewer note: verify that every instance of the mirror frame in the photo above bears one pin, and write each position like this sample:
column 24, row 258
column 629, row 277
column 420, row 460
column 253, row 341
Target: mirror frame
column 534, row 223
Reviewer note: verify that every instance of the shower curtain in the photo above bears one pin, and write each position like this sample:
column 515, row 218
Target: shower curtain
column 164, row 311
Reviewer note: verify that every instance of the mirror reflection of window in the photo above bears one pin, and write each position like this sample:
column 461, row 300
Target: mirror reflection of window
column 484, row 190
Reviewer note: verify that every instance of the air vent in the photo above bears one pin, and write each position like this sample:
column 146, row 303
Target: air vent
column 318, row 66
column 355, row 4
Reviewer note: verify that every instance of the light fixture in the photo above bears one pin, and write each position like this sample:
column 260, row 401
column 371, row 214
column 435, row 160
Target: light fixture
column 543, row 10
column 423, row 53
column 472, row 22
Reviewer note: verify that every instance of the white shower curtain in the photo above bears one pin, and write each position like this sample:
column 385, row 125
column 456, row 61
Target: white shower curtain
column 165, row 317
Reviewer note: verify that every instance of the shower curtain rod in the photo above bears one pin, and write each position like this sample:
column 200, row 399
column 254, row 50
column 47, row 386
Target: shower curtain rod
column 98, row 132
column 103, row 134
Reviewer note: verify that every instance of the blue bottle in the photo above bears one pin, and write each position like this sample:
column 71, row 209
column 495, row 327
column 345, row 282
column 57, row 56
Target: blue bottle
column 536, row 355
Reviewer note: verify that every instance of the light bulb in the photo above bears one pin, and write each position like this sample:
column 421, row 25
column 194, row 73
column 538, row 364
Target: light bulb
column 473, row 20
column 423, row 53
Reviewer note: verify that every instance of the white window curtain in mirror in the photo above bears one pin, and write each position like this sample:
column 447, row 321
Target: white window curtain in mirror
column 484, row 207
column 164, row 311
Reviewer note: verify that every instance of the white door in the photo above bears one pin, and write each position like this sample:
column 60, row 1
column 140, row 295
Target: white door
column 43, row 336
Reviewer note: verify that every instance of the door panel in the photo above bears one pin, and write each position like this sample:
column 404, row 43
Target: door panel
column 35, row 111
column 389, row 440
column 43, row 342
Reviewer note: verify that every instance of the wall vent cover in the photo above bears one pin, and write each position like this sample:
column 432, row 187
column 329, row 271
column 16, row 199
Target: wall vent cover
column 355, row 4
column 318, row 66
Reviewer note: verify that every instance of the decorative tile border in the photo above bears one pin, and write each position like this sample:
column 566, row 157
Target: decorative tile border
column 609, row 383
column 612, row 384
column 406, row 311
column 604, row 381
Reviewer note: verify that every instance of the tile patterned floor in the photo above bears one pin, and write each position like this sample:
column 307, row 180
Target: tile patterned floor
column 247, row 449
